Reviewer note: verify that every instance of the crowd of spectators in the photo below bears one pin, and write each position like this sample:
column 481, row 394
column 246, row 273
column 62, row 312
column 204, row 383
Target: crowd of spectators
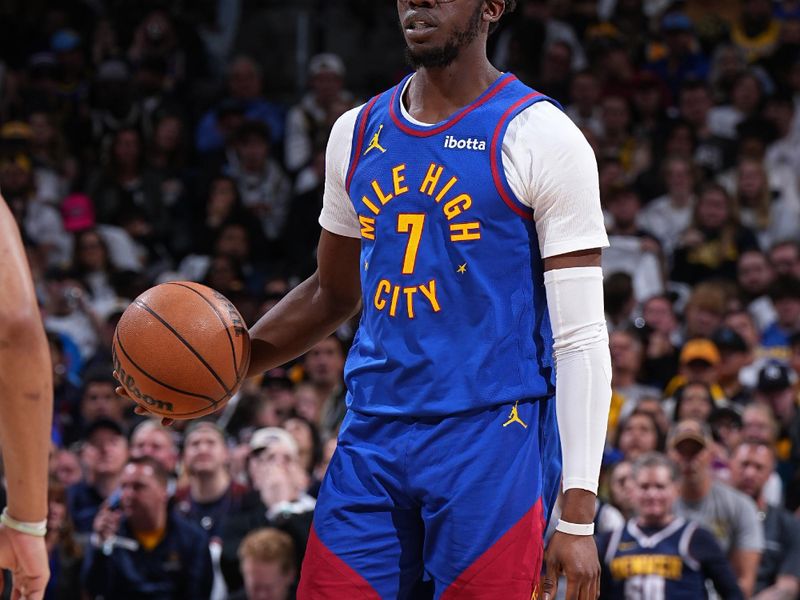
column 142, row 142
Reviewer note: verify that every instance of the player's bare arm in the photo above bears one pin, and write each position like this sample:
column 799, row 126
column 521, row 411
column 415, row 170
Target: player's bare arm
column 26, row 393
column 314, row 309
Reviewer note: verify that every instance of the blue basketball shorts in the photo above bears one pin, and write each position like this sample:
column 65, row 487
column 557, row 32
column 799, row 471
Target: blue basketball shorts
column 455, row 506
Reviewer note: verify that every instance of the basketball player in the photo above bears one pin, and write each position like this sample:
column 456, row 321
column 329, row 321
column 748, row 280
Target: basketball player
column 658, row 555
column 26, row 394
column 462, row 215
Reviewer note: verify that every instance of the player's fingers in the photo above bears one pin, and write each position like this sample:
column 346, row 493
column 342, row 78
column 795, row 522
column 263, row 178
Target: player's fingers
column 550, row 580
column 167, row 421
column 121, row 391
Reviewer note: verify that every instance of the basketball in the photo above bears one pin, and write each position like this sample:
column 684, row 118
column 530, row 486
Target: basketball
column 181, row 350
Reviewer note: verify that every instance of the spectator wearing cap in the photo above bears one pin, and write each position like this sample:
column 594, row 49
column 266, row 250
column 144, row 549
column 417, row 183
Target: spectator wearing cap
column 245, row 96
column 775, row 390
column 785, row 295
column 683, row 59
column 699, row 361
column 103, row 456
column 735, row 356
column 67, row 46
column 752, row 465
column 143, row 549
column 309, row 122
column 730, row 515
column 266, row 561
column 263, row 186
column 279, row 498
column 672, row 553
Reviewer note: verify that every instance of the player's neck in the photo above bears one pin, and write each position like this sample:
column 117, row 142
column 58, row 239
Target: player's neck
column 434, row 94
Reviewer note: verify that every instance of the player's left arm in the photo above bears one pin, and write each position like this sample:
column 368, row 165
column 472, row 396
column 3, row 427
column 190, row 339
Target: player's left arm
column 556, row 175
column 26, row 409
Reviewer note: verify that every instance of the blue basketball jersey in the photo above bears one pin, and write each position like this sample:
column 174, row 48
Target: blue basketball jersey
column 454, row 310
column 656, row 566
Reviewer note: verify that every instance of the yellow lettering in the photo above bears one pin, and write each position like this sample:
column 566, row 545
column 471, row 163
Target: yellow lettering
column 456, row 206
column 384, row 198
column 393, row 307
column 383, row 288
column 411, row 224
column 431, row 179
column 367, row 227
column 409, row 292
column 446, row 188
column 463, row 232
column 369, row 204
column 397, row 178
column 430, row 293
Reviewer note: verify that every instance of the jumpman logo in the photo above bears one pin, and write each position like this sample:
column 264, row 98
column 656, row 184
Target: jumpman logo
column 513, row 417
column 375, row 143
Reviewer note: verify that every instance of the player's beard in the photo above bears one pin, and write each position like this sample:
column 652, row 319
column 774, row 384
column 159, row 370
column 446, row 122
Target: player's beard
column 436, row 58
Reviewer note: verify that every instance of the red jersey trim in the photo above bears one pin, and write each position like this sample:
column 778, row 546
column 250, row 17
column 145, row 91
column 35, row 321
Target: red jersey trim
column 494, row 152
column 364, row 116
column 490, row 93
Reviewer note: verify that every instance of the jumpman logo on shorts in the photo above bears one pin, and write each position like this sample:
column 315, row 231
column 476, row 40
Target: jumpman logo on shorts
column 513, row 417
column 375, row 143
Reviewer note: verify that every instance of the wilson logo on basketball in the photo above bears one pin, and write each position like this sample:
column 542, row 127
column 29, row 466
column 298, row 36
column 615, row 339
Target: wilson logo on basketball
column 129, row 383
column 454, row 143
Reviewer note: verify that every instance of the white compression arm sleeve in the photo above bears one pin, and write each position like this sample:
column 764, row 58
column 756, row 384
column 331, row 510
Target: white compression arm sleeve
column 583, row 370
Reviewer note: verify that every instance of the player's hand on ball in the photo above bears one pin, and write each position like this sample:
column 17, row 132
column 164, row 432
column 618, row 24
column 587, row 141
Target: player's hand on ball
column 139, row 410
column 26, row 557
column 574, row 556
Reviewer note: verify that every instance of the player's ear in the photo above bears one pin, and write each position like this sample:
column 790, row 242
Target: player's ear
column 493, row 10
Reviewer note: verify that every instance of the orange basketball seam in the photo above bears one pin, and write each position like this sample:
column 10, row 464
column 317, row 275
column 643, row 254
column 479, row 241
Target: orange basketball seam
column 219, row 316
column 166, row 385
column 185, row 343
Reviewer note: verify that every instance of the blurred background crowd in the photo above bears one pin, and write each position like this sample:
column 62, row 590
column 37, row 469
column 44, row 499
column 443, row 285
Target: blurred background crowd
column 142, row 142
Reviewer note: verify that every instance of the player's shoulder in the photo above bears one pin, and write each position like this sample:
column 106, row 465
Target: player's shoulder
column 544, row 118
column 347, row 121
